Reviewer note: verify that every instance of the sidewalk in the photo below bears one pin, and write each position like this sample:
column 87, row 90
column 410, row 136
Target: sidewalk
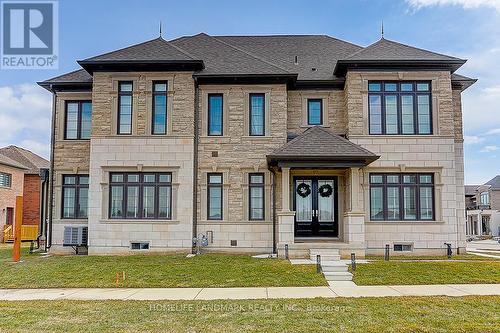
column 338, row 289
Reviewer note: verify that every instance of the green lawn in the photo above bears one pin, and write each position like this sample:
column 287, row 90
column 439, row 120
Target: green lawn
column 410, row 314
column 208, row 270
column 454, row 257
column 396, row 272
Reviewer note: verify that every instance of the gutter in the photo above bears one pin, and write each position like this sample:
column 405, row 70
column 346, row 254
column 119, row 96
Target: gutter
column 195, row 162
column 48, row 241
column 273, row 171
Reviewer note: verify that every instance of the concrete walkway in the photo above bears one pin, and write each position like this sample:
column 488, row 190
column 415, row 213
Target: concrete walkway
column 338, row 289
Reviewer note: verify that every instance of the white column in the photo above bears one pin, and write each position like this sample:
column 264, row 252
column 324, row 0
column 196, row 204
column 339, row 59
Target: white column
column 479, row 224
column 285, row 188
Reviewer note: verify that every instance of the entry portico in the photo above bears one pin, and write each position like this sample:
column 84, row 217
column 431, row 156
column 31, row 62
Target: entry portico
column 322, row 195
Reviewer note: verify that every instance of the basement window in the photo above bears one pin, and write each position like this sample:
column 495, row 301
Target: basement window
column 139, row 246
column 403, row 248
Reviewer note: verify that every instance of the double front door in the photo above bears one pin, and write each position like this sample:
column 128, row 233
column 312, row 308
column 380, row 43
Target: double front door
column 315, row 205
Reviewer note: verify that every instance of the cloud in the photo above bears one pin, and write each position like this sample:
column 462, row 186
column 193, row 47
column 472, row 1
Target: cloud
column 489, row 149
column 472, row 139
column 25, row 113
column 494, row 131
column 467, row 4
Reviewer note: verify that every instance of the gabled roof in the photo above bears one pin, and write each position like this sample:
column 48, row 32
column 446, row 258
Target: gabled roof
column 494, row 183
column 470, row 190
column 316, row 55
column 156, row 52
column 318, row 144
column 385, row 51
column 10, row 162
column 29, row 160
column 223, row 58
column 151, row 50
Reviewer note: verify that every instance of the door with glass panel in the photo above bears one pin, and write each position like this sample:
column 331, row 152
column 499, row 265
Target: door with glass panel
column 315, row 205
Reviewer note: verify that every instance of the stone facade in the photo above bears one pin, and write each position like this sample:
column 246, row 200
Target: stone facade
column 235, row 154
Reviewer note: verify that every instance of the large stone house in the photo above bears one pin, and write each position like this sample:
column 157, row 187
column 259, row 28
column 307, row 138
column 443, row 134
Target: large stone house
column 260, row 142
column 482, row 203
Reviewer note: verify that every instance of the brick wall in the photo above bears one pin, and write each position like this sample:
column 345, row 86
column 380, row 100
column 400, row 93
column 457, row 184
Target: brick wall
column 8, row 195
column 31, row 200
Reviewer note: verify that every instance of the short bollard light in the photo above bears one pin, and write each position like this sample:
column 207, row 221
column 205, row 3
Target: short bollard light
column 353, row 261
column 318, row 263
column 286, row 252
column 386, row 257
column 449, row 252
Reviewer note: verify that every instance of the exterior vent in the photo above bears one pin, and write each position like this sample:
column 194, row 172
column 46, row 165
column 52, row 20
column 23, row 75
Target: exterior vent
column 139, row 246
column 234, row 242
column 215, row 154
column 75, row 236
column 403, row 247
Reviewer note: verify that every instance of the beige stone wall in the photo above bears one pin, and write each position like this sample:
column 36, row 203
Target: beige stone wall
column 356, row 94
column 172, row 152
column 8, row 194
column 334, row 111
column 238, row 155
column 180, row 108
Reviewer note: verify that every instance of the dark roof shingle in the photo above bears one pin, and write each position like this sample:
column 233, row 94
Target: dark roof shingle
column 319, row 142
column 494, row 183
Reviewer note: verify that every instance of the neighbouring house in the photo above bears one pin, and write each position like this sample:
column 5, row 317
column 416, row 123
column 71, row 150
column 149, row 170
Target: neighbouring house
column 259, row 143
column 483, row 208
column 21, row 174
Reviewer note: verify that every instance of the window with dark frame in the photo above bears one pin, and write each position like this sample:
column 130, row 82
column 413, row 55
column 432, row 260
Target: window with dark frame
column 214, row 196
column 159, row 107
column 257, row 114
column 215, row 114
column 399, row 107
column 139, row 196
column 401, row 197
column 5, row 179
column 125, row 98
column 484, row 198
column 78, row 120
column 75, row 192
column 315, row 111
column 256, row 196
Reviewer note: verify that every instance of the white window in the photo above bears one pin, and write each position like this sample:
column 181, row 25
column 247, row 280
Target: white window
column 485, row 198
column 5, row 179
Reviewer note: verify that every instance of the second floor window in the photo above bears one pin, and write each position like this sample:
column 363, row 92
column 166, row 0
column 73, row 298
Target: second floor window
column 75, row 192
column 5, row 179
column 125, row 89
column 256, row 202
column 402, row 107
column 257, row 114
column 160, row 107
column 314, row 112
column 215, row 114
column 140, row 196
column 484, row 198
column 214, row 196
column 404, row 196
column 78, row 120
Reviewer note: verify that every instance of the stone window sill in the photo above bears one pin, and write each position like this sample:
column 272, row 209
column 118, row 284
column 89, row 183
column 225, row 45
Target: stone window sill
column 257, row 137
column 405, row 222
column 308, row 126
column 126, row 221
column 233, row 222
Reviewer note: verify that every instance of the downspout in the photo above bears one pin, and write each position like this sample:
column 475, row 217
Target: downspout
column 195, row 163
column 48, row 242
column 44, row 175
column 273, row 185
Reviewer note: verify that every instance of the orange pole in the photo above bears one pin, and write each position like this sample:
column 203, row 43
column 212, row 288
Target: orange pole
column 16, row 250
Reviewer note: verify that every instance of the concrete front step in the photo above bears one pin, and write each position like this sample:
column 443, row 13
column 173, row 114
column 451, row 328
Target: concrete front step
column 324, row 251
column 334, row 268
column 338, row 276
column 326, row 257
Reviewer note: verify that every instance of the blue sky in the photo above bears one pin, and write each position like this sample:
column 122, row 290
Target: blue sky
column 465, row 28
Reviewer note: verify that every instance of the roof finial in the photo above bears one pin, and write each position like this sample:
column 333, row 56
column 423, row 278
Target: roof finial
column 382, row 30
column 160, row 29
